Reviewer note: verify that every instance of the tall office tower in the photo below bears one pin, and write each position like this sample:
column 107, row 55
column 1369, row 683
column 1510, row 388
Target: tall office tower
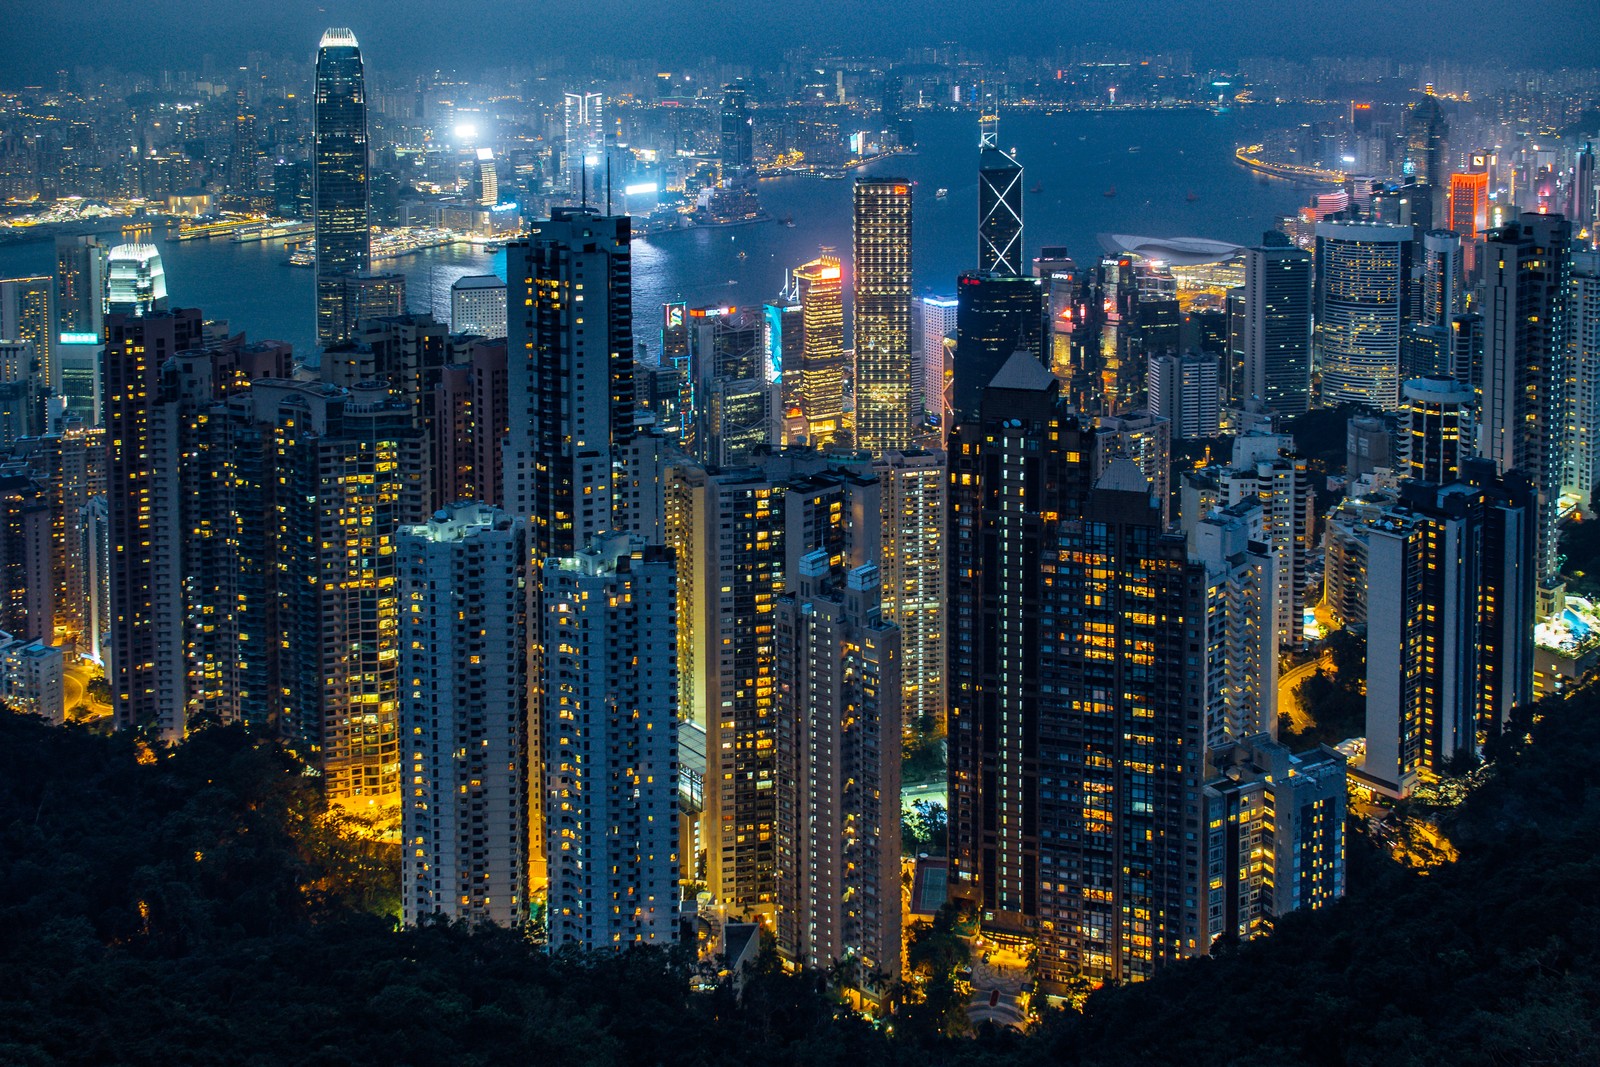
column 341, row 454
column 610, row 743
column 464, row 716
column 1277, row 833
column 738, row 536
column 820, row 287
column 570, row 372
column 1469, row 203
column 1524, row 299
column 882, row 293
column 1241, row 627
column 838, row 686
column 999, row 206
column 136, row 282
column 1583, row 467
column 736, row 403
column 1450, row 601
column 938, row 325
column 1585, row 207
column 1443, row 280
column 1145, row 438
column 1017, row 470
column 1466, row 351
column 675, row 355
column 783, row 348
column 1121, row 742
column 584, row 123
column 478, row 306
column 914, row 493
column 340, row 193
column 737, row 131
column 488, row 182
column 1277, row 325
column 28, row 314
column 1058, row 273
column 27, row 586
column 1186, row 390
column 371, row 296
column 1437, row 430
column 1363, row 273
column 996, row 317
column 1266, row 470
column 1426, row 147
column 146, row 668
column 80, row 285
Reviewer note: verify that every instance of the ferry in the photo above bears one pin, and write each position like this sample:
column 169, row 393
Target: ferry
column 941, row 194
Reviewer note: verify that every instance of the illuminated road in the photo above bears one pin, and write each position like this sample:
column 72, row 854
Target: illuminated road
column 1287, row 703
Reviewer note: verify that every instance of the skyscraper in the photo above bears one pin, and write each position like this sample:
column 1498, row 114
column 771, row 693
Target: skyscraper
column 1187, row 391
column 570, row 372
column 585, row 127
column 999, row 206
column 996, row 316
column 340, row 191
column 1426, row 133
column 838, row 711
column 1277, row 325
column 1469, row 203
column 464, row 716
column 136, row 282
column 938, row 323
column 80, row 285
column 820, row 287
column 736, row 400
column 1443, row 278
column 609, row 694
column 882, row 291
column 1527, row 284
column 1583, row 473
column 737, row 132
column 1363, row 275
column 1437, row 433
column 146, row 656
column 914, row 495
column 27, row 313
column 1450, row 602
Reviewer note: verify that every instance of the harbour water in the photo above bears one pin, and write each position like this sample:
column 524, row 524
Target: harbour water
column 1172, row 174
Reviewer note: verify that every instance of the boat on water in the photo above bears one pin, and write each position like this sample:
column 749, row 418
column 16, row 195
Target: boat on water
column 941, row 194
column 1110, row 192
column 788, row 220
column 743, row 254
column 1134, row 148
column 1038, row 187
column 1192, row 197
column 302, row 259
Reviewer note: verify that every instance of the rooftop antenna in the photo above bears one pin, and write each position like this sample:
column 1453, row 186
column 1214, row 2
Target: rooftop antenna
column 583, row 180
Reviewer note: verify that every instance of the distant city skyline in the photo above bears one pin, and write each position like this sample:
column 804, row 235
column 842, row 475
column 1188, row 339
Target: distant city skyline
column 42, row 34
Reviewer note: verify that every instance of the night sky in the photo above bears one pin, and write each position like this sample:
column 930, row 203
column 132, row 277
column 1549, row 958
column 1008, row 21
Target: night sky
column 41, row 36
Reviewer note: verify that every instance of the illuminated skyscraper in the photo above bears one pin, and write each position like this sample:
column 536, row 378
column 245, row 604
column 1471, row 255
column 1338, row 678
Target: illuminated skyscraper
column 488, row 182
column 1277, row 325
column 838, row 668
column 146, row 669
column 1469, row 203
column 736, row 400
column 882, row 292
column 914, row 493
column 340, row 192
column 1524, row 299
column 464, row 716
column 1363, row 275
column 570, row 368
column 1450, row 615
column 1437, row 432
column 585, row 127
column 80, row 285
column 27, row 314
column 820, row 286
column 610, row 744
column 136, row 282
column 999, row 206
column 1583, row 471
column 1443, row 279
column 737, row 132
column 938, row 323
column 1426, row 133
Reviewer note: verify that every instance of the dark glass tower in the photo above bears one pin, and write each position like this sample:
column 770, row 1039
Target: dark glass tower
column 339, row 178
column 738, row 135
column 999, row 208
column 996, row 316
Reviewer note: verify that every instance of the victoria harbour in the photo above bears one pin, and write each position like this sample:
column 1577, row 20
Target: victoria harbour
column 1152, row 160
